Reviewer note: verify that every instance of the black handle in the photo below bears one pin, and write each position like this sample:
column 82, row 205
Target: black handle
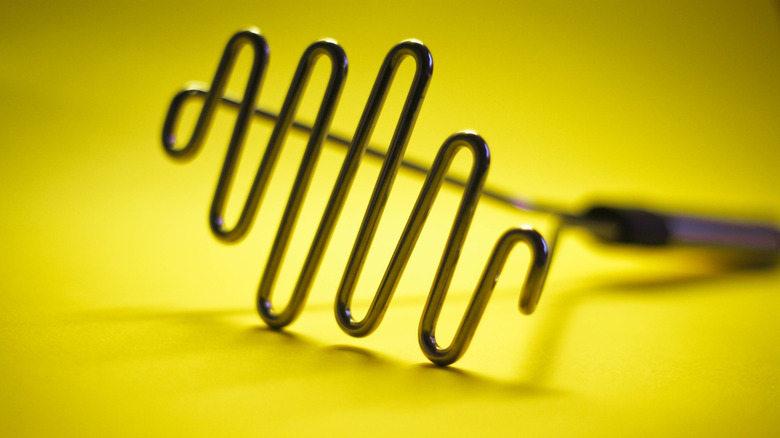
column 647, row 228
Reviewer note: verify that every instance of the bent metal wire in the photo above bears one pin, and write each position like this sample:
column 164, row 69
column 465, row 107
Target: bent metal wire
column 278, row 318
column 611, row 225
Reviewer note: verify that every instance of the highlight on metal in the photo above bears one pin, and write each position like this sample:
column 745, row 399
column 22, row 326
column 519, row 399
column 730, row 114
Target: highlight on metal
column 357, row 148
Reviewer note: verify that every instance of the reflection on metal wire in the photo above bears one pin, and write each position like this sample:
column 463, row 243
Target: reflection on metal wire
column 393, row 160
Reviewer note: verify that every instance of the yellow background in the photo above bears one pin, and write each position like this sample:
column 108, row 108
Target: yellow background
column 121, row 315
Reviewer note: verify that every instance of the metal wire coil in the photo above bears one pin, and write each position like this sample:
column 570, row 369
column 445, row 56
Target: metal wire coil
column 278, row 318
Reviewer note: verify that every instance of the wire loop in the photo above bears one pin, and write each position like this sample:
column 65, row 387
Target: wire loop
column 393, row 160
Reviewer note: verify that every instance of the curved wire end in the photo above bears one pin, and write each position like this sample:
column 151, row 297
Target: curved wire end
column 538, row 268
column 248, row 37
column 531, row 291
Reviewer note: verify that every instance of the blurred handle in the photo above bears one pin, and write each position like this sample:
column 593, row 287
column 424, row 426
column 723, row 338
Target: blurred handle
column 647, row 228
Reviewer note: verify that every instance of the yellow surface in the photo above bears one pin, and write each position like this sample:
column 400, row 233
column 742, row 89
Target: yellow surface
column 121, row 315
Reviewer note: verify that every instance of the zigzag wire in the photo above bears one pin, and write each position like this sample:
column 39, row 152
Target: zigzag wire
column 540, row 254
